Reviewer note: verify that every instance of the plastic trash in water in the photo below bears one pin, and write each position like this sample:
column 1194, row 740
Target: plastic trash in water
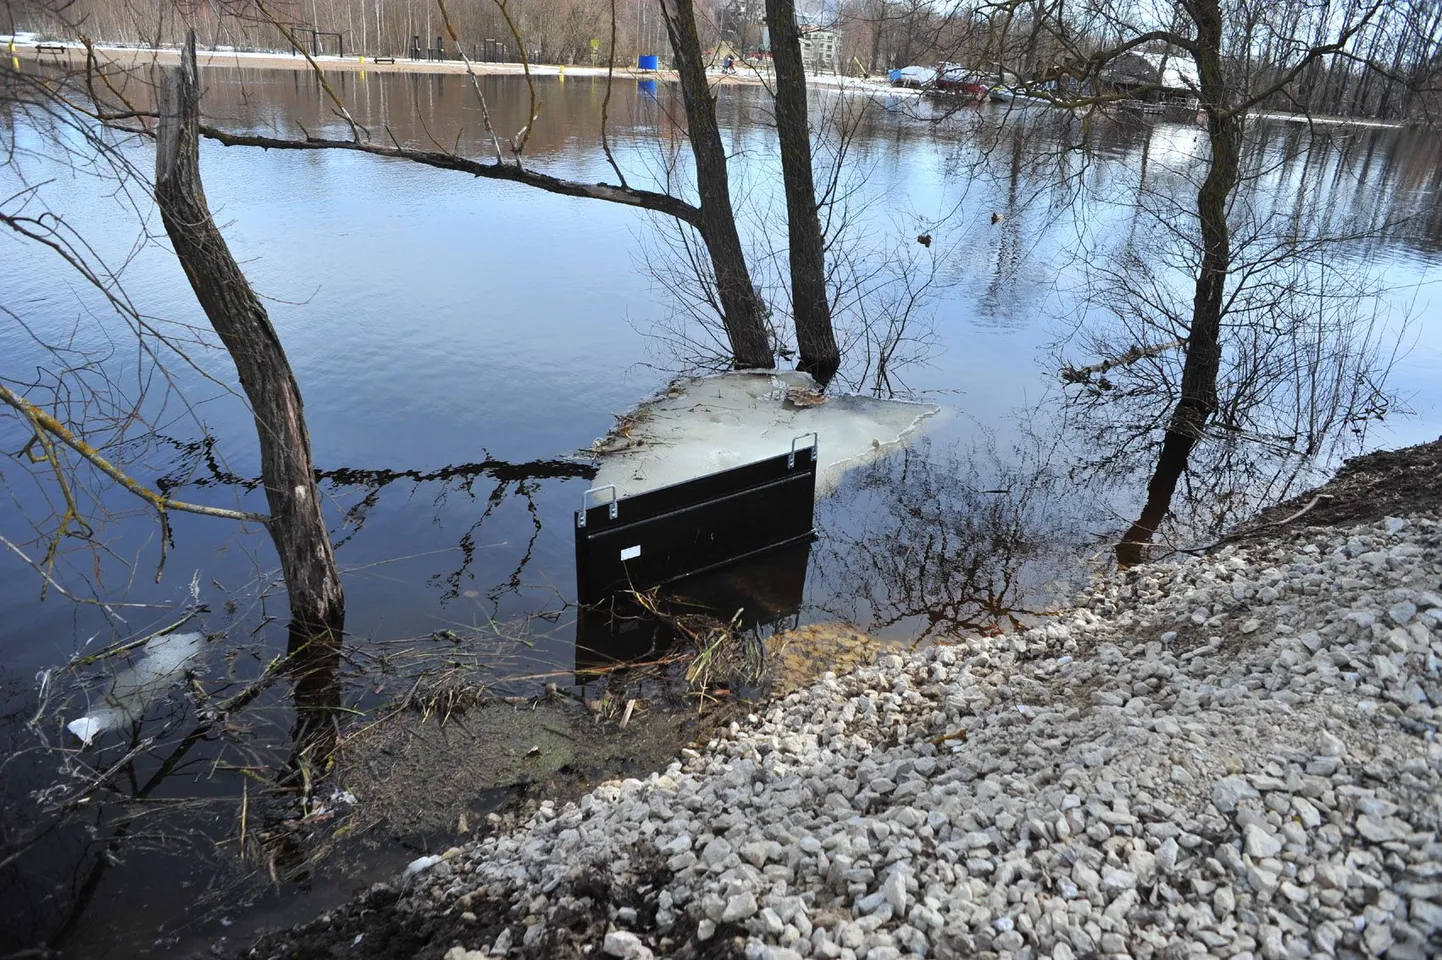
column 139, row 685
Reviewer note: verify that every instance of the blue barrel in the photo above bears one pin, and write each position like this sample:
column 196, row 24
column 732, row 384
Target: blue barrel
column 648, row 61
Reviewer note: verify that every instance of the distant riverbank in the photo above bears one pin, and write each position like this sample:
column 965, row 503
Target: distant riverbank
column 73, row 54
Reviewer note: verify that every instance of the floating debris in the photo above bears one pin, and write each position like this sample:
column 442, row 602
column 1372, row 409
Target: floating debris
column 139, row 685
column 803, row 396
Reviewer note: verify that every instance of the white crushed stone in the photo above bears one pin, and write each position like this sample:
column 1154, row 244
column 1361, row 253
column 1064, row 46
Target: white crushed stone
column 1235, row 756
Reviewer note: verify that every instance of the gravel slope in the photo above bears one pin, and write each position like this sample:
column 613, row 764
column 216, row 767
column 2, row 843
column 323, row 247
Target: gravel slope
column 1233, row 757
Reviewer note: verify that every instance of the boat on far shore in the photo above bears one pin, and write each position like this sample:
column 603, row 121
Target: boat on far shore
column 1018, row 97
column 948, row 81
column 954, row 83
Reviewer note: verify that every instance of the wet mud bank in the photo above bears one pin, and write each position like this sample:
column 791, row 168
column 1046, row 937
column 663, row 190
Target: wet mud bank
column 1226, row 754
column 415, row 782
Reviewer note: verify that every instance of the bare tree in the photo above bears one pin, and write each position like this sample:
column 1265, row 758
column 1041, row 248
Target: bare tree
column 85, row 427
column 810, row 304
column 1224, row 100
column 743, row 312
column 1068, row 59
column 742, row 309
column 296, row 524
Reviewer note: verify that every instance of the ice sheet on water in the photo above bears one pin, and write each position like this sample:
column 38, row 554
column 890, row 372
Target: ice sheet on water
column 700, row 425
column 135, row 687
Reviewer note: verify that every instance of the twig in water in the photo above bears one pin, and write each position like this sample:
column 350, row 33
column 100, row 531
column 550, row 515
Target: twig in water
column 127, row 646
column 1070, row 374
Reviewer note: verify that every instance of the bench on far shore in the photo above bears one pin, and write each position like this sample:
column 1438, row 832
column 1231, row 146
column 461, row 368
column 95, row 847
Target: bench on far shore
column 383, row 59
column 56, row 48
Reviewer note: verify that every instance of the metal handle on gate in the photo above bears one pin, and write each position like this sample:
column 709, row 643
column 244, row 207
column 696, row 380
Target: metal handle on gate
column 585, row 503
column 815, row 443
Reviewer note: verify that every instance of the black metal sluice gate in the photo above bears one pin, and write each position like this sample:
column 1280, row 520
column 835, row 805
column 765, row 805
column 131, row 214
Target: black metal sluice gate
column 687, row 528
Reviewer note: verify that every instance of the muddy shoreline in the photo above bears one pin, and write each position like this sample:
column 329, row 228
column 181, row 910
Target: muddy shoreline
column 452, row 763
column 419, row 784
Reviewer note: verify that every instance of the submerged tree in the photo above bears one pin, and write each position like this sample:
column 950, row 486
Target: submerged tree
column 742, row 309
column 296, row 524
column 810, row 302
column 1217, row 36
column 743, row 313
column 1236, row 265
column 86, row 423
column 723, row 271
column 89, row 418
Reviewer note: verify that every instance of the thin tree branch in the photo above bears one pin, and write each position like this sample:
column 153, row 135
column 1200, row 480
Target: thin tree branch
column 355, row 129
column 606, row 101
column 60, row 589
column 626, row 196
column 44, row 422
column 475, row 81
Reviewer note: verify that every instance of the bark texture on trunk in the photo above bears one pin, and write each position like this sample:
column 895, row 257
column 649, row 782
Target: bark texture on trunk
column 815, row 340
column 297, row 527
column 743, row 312
column 1198, row 400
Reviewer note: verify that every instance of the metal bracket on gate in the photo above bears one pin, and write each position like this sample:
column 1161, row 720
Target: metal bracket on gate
column 815, row 443
column 586, row 503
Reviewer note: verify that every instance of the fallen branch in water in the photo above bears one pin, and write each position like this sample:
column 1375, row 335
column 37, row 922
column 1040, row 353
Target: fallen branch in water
column 129, row 645
column 1070, row 374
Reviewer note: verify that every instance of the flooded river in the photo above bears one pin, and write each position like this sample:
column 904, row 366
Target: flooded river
column 460, row 341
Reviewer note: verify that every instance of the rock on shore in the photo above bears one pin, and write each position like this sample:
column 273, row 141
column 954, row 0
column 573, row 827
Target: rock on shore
column 1233, row 756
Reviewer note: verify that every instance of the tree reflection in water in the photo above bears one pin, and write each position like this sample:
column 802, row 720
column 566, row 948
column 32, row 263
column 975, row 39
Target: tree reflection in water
column 197, row 465
column 939, row 543
column 930, row 544
column 229, row 770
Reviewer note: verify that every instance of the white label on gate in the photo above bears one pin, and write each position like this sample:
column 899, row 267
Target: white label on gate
column 631, row 553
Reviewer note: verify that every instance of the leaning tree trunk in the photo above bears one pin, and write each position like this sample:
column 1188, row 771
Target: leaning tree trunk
column 742, row 310
column 1198, row 400
column 297, row 528
column 815, row 339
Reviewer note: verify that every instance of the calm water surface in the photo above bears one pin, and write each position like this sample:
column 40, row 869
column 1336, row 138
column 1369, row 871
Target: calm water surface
column 457, row 339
